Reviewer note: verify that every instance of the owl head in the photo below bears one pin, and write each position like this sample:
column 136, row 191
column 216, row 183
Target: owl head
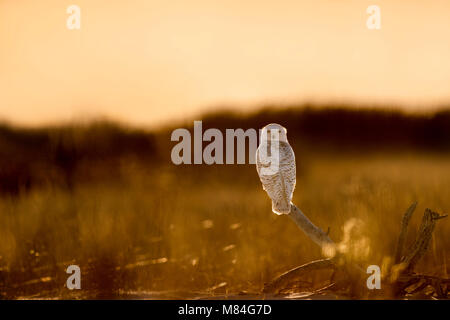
column 274, row 132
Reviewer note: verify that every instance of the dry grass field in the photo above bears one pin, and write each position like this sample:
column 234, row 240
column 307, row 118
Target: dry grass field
column 111, row 202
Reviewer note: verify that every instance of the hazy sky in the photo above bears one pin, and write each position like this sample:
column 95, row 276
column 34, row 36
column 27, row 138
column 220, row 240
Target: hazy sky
column 150, row 62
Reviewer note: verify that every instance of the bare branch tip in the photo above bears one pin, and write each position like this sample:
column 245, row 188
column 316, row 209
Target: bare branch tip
column 441, row 217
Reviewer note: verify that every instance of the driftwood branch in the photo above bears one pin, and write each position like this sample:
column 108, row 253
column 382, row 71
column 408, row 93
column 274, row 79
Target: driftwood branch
column 295, row 274
column 423, row 239
column 403, row 279
column 403, row 232
column 319, row 237
column 413, row 283
column 314, row 233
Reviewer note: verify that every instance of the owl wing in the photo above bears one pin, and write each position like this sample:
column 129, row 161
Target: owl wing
column 287, row 169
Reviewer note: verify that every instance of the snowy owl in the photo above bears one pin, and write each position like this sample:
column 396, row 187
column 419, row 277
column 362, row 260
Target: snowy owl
column 275, row 163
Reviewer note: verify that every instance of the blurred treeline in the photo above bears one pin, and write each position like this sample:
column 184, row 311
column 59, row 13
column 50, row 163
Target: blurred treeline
column 67, row 154
column 87, row 152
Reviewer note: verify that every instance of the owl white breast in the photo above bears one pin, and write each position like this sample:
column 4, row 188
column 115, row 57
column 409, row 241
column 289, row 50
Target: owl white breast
column 275, row 163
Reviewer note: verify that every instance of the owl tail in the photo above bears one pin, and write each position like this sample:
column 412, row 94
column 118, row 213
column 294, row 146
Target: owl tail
column 281, row 207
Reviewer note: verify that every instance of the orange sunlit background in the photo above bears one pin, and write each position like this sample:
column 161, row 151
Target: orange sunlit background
column 87, row 176
column 148, row 62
